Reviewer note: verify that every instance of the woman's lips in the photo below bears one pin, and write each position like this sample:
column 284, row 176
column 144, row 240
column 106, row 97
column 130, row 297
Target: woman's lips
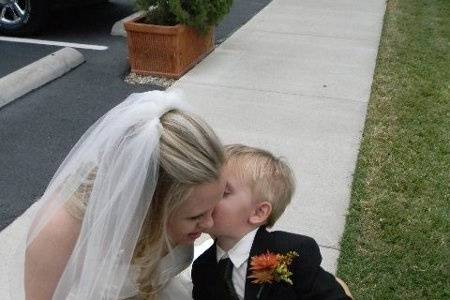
column 195, row 235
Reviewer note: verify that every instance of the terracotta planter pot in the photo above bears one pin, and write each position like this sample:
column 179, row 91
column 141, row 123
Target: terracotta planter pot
column 168, row 51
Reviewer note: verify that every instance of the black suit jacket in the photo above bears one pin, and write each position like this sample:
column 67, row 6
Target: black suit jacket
column 310, row 281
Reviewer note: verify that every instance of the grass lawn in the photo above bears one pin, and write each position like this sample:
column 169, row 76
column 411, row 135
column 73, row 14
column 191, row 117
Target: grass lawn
column 396, row 241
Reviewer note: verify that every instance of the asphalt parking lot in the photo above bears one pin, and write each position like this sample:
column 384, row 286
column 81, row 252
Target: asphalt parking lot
column 87, row 24
column 38, row 129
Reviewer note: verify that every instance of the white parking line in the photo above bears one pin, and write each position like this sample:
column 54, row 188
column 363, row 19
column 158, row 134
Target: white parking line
column 52, row 43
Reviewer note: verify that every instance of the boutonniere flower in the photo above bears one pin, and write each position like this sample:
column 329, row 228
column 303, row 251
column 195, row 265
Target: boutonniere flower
column 271, row 267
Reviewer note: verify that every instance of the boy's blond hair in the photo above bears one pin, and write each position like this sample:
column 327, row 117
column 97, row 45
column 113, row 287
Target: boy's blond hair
column 270, row 178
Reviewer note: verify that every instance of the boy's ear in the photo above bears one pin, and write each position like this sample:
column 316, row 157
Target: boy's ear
column 261, row 213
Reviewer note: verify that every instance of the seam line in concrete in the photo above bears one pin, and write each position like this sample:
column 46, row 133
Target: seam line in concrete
column 336, row 11
column 329, row 247
column 276, row 92
column 315, row 35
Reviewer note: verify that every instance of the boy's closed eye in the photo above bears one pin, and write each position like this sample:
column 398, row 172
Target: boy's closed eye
column 227, row 191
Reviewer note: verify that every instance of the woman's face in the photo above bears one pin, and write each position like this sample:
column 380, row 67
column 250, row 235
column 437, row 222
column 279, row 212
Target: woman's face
column 193, row 217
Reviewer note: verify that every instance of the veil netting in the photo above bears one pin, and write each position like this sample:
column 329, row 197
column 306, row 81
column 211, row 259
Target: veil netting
column 121, row 149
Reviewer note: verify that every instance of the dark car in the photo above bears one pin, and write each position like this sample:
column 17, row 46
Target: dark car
column 26, row 17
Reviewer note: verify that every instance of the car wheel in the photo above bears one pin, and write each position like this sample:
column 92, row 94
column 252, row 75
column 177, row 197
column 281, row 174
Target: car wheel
column 22, row 17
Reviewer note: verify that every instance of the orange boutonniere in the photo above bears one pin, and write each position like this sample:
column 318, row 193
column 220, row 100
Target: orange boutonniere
column 270, row 267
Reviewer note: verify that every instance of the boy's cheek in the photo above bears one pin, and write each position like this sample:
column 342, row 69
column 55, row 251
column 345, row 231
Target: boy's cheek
column 223, row 216
column 220, row 218
column 218, row 210
column 217, row 218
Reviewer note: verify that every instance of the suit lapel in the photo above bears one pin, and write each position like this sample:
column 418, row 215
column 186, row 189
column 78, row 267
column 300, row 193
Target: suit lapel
column 211, row 255
column 261, row 244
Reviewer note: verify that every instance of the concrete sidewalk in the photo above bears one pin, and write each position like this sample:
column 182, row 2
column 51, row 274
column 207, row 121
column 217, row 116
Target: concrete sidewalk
column 296, row 80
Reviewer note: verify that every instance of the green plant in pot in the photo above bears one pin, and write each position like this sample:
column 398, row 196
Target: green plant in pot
column 173, row 35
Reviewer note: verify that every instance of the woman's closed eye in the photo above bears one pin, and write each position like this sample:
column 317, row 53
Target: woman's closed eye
column 195, row 218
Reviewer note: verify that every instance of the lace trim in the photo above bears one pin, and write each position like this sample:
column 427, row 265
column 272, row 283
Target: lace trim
column 76, row 205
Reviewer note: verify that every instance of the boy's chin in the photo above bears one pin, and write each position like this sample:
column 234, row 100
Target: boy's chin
column 212, row 233
column 213, row 236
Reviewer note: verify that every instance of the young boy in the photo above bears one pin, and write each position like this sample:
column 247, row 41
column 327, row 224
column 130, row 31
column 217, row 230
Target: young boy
column 259, row 187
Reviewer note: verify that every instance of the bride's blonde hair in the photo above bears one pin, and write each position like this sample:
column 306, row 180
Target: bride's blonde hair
column 190, row 154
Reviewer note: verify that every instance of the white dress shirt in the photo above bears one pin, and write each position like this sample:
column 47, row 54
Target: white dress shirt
column 239, row 256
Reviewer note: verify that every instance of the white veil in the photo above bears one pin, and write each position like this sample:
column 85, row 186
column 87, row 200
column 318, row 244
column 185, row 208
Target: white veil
column 121, row 149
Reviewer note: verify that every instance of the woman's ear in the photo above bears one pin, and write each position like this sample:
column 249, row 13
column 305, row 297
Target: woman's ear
column 261, row 213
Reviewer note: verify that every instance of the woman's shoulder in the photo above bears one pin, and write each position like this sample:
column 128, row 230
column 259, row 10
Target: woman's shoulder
column 61, row 229
column 48, row 252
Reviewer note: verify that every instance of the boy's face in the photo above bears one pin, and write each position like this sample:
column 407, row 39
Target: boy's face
column 231, row 215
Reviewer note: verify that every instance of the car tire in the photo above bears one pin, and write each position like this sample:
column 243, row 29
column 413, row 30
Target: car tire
column 23, row 17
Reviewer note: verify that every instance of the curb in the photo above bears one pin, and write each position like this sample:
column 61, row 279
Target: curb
column 12, row 243
column 118, row 29
column 38, row 73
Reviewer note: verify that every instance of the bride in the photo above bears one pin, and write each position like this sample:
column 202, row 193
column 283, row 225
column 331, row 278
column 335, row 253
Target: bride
column 120, row 216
